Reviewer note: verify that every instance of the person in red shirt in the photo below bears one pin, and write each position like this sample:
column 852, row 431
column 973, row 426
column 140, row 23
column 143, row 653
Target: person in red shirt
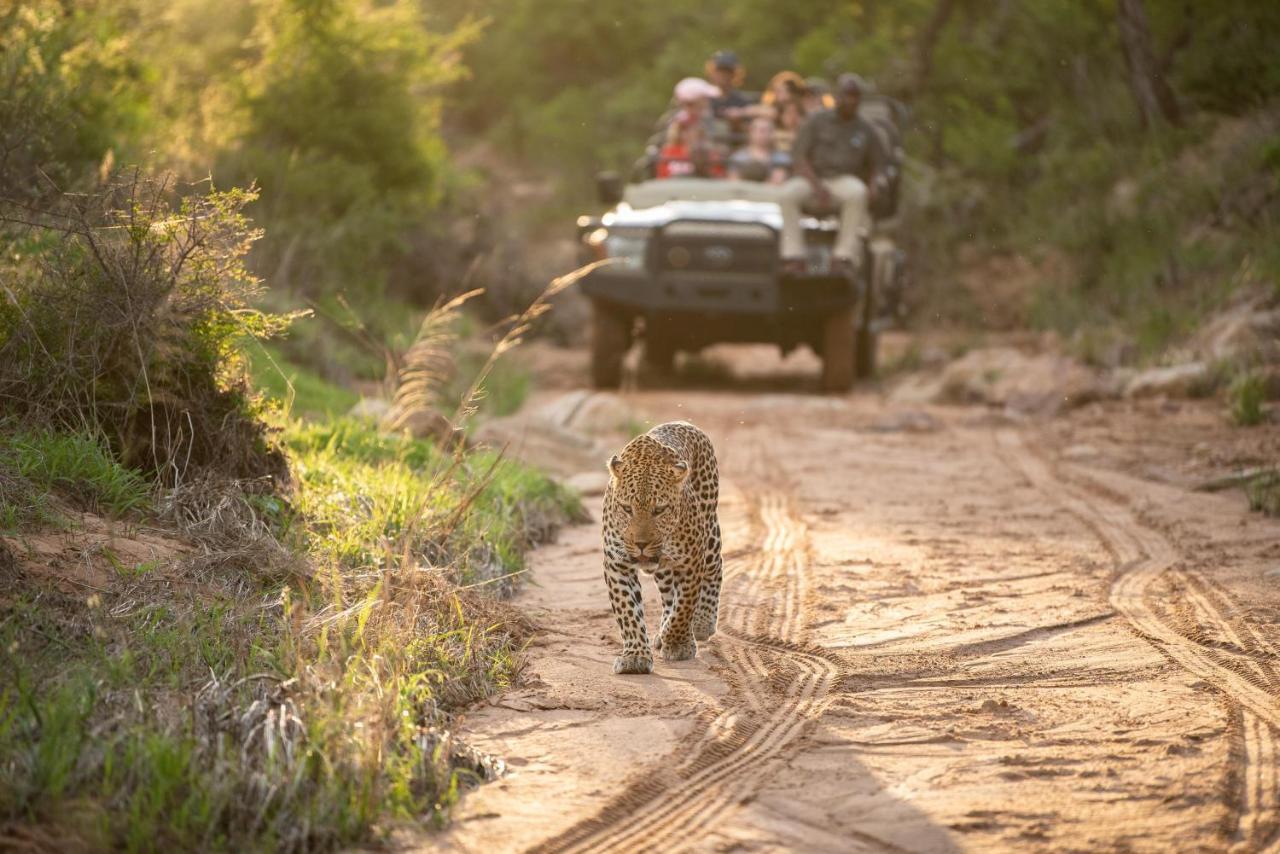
column 687, row 151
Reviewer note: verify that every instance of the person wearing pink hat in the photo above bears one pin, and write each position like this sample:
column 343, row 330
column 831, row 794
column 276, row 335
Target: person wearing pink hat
column 686, row 151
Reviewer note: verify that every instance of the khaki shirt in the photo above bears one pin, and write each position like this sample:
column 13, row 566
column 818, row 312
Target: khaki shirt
column 833, row 146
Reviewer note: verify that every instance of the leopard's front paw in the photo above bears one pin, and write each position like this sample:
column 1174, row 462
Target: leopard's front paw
column 703, row 629
column 673, row 651
column 633, row 663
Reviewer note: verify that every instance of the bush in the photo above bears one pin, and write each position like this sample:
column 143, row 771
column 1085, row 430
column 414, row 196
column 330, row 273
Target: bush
column 123, row 317
column 1247, row 394
column 68, row 98
column 342, row 134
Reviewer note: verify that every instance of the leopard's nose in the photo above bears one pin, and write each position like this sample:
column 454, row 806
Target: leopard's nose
column 642, row 546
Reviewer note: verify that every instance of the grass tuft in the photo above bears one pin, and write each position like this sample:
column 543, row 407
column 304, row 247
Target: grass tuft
column 77, row 466
column 1263, row 492
column 1247, row 395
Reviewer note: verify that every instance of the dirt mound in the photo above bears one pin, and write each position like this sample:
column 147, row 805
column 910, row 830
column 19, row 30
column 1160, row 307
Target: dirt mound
column 1246, row 331
column 1008, row 378
column 1003, row 285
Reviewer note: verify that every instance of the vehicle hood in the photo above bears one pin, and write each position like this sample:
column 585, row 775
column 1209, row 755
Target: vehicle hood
column 764, row 213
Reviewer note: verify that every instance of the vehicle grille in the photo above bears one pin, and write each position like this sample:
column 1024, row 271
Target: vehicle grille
column 716, row 248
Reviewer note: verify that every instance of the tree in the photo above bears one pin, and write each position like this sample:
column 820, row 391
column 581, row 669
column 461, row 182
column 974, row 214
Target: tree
column 1156, row 103
column 928, row 40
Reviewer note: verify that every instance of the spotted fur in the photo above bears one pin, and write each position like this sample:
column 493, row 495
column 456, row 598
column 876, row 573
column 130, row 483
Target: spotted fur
column 660, row 518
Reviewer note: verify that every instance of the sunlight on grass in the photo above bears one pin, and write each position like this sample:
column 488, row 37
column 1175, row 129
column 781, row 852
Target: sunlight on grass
column 291, row 716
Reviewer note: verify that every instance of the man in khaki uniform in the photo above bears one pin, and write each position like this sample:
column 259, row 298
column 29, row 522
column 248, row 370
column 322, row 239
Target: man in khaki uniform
column 836, row 159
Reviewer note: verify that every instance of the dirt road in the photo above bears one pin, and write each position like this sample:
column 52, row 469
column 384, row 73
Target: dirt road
column 940, row 630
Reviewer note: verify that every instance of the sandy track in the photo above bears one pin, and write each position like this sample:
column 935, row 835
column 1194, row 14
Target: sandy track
column 1244, row 674
column 931, row 640
column 777, row 689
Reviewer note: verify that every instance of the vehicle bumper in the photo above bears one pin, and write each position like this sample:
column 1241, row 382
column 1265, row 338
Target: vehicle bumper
column 718, row 295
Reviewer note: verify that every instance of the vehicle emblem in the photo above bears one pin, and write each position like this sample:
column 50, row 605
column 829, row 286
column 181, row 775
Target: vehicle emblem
column 718, row 256
column 678, row 256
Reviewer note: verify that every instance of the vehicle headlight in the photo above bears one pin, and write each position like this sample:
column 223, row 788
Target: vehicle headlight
column 628, row 246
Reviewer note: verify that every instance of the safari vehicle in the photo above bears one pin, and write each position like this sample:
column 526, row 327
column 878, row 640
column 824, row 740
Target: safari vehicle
column 688, row 273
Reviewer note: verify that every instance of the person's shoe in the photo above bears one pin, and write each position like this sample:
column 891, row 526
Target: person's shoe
column 794, row 267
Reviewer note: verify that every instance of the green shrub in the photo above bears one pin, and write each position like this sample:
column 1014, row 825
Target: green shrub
column 69, row 99
column 129, row 323
column 1247, row 395
column 1263, row 493
column 342, row 135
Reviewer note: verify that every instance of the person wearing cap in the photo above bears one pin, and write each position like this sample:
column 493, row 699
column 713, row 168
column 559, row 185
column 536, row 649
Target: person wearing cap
column 726, row 72
column 835, row 159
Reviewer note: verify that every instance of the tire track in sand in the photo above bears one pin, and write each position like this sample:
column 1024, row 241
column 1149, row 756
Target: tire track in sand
column 1142, row 556
column 777, row 688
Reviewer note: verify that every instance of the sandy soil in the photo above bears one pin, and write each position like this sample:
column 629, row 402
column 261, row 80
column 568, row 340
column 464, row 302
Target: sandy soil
column 940, row 630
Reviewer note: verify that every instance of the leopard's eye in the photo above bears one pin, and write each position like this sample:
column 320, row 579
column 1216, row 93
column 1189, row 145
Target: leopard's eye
column 626, row 508
column 660, row 509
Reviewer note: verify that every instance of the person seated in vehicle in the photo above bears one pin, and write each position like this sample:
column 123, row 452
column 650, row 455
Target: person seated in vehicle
column 835, row 161
column 688, row 149
column 791, row 116
column 732, row 105
column 759, row 159
column 783, row 103
column 784, row 87
column 817, row 95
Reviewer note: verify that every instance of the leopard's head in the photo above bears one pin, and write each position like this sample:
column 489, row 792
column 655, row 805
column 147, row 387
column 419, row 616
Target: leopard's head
column 647, row 490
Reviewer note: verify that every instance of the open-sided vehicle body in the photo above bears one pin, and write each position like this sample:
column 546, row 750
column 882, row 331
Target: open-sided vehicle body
column 703, row 268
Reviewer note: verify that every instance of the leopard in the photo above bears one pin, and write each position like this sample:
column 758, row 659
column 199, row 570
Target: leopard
column 661, row 518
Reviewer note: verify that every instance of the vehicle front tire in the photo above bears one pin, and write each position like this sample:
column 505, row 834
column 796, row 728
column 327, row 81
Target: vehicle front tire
column 867, row 338
column 610, row 339
column 866, row 343
column 838, row 352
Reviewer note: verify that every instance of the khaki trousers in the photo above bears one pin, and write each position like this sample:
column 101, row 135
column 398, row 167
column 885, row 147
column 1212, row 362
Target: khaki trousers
column 855, row 219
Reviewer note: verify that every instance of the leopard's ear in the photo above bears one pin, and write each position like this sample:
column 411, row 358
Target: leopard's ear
column 681, row 470
column 615, row 466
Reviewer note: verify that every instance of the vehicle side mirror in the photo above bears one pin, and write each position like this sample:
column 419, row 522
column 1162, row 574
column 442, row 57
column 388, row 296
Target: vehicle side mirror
column 609, row 188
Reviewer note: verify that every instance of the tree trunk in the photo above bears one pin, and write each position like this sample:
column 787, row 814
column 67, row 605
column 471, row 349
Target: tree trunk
column 1155, row 100
column 928, row 40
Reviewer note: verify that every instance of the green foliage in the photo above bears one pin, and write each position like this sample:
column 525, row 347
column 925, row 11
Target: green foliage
column 1247, row 395
column 127, row 321
column 363, row 490
column 1023, row 126
column 132, row 727
column 1263, row 492
column 77, row 466
column 70, row 93
column 298, row 390
column 343, row 137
